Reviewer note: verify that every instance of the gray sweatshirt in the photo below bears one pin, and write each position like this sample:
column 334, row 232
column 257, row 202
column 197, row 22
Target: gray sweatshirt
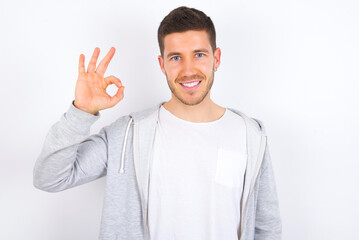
column 122, row 151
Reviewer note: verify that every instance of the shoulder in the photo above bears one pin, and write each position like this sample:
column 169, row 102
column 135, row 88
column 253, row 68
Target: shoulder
column 250, row 121
column 136, row 116
column 145, row 113
column 259, row 124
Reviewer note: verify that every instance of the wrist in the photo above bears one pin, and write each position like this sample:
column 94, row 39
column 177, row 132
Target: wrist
column 93, row 112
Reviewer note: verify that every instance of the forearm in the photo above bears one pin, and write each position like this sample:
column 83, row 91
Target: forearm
column 57, row 161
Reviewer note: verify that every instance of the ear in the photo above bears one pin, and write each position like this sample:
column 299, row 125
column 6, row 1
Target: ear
column 217, row 58
column 162, row 64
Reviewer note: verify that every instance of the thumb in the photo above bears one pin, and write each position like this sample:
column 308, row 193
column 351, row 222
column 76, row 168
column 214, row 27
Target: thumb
column 118, row 96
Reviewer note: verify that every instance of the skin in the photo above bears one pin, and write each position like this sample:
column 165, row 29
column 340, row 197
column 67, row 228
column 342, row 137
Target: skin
column 90, row 90
column 187, row 57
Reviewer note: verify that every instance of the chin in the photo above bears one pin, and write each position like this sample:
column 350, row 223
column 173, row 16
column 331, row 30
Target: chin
column 191, row 102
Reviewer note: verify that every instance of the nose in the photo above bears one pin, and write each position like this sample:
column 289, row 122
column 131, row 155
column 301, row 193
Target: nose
column 189, row 67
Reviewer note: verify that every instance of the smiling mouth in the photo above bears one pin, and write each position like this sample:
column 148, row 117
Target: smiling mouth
column 190, row 84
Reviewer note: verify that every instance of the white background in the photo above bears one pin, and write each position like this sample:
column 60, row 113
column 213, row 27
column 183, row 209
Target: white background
column 291, row 64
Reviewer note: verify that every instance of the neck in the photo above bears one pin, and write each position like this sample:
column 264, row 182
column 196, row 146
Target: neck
column 206, row 111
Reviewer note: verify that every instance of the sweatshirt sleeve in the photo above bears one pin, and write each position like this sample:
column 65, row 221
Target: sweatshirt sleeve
column 268, row 224
column 70, row 156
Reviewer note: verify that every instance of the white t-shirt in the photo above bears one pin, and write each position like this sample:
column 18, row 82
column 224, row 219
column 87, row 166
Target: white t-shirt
column 196, row 178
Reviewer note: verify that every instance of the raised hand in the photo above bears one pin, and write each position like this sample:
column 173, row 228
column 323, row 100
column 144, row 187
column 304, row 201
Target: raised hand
column 90, row 91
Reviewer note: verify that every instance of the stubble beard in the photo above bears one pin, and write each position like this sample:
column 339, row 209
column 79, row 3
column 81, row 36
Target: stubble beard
column 202, row 96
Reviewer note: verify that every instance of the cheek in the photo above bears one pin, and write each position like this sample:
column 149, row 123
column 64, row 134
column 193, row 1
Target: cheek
column 205, row 67
column 172, row 71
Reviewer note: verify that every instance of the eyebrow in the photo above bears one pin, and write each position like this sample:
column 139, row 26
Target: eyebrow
column 195, row 51
column 172, row 54
column 201, row 50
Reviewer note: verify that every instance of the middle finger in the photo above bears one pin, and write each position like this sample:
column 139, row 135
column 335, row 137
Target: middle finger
column 92, row 65
column 101, row 69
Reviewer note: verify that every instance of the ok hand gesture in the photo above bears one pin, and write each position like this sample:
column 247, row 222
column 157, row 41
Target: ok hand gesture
column 90, row 91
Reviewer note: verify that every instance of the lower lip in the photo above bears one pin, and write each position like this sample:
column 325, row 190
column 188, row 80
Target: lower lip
column 191, row 88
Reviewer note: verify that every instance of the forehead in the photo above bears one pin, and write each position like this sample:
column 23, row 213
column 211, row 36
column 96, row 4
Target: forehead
column 186, row 41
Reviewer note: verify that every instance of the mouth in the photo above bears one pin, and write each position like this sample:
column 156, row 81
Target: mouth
column 192, row 85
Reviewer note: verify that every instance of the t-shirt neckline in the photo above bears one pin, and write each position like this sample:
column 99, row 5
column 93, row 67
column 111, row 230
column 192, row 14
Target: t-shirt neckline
column 174, row 117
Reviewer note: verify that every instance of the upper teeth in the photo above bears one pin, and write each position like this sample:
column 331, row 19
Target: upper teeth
column 190, row 84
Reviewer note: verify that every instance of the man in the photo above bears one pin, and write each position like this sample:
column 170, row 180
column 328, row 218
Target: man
column 183, row 169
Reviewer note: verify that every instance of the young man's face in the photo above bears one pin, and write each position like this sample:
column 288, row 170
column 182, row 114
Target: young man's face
column 189, row 63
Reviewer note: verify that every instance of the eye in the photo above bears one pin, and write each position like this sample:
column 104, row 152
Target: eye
column 199, row 54
column 176, row 58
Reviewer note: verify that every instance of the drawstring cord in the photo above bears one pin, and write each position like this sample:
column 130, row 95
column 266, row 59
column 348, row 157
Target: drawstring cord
column 124, row 146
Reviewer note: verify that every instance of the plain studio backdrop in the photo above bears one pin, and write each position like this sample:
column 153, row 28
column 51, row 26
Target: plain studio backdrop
column 291, row 64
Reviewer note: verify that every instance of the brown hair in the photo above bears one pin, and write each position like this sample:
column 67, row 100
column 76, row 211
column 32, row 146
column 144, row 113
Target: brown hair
column 183, row 19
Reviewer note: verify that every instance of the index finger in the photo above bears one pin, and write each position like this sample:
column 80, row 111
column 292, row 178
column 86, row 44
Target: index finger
column 101, row 69
column 82, row 63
